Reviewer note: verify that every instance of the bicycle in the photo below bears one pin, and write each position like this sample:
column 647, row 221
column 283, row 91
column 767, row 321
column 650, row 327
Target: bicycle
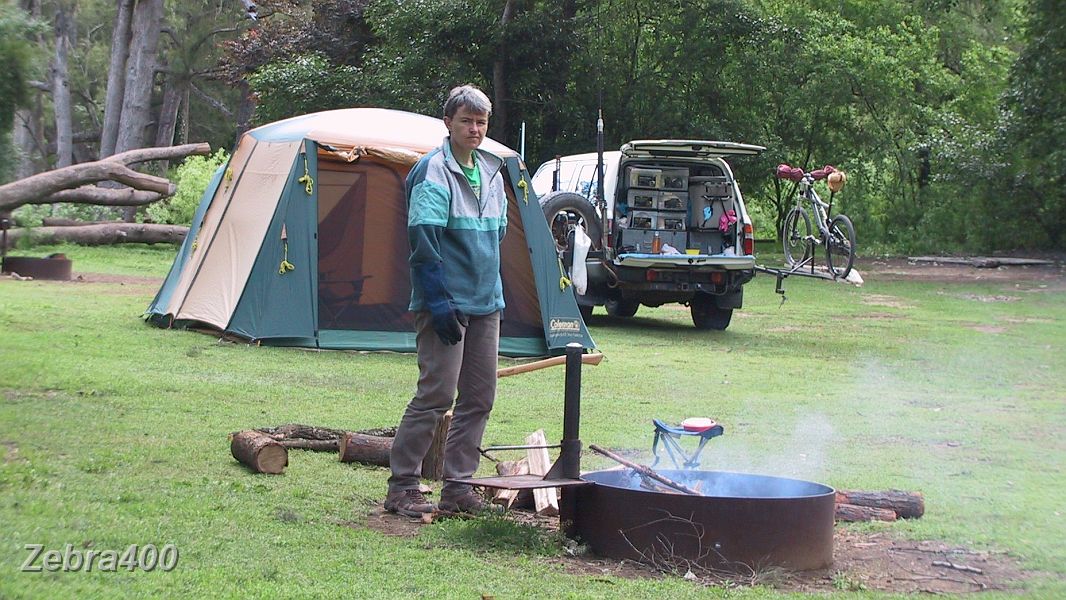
column 836, row 235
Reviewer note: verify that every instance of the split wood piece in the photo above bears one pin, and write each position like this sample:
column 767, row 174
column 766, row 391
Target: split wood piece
column 259, row 452
column 853, row 513
column 513, row 498
column 646, row 471
column 586, row 359
column 433, row 463
column 545, row 500
column 367, row 449
column 906, row 505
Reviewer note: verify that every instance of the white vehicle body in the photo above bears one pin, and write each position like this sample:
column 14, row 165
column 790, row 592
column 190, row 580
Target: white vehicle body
column 663, row 201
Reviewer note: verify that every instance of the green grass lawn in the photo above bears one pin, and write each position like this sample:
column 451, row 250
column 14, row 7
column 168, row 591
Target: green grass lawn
column 114, row 433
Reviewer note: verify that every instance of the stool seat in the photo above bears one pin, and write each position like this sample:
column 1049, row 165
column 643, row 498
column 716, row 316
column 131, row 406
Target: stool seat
column 670, row 437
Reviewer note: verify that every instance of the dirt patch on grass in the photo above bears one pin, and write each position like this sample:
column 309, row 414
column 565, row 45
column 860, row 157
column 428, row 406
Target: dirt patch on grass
column 878, row 561
column 882, row 300
column 988, row 328
column 901, row 269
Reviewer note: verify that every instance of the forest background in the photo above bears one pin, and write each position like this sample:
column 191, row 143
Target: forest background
column 946, row 114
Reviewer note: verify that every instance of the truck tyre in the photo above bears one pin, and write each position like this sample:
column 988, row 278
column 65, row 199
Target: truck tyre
column 707, row 315
column 562, row 209
column 621, row 308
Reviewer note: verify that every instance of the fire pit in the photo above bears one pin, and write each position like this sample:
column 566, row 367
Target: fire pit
column 739, row 522
column 733, row 522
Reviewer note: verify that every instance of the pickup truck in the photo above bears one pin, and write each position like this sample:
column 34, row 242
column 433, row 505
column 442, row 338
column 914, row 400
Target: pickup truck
column 672, row 227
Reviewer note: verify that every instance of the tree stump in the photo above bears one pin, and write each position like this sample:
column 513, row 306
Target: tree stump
column 433, row 463
column 259, row 452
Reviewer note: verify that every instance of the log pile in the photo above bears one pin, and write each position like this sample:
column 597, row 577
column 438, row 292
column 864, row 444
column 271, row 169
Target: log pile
column 889, row 505
column 265, row 450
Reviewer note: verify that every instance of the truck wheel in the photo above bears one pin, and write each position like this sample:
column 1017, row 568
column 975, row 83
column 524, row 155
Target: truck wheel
column 563, row 209
column 621, row 308
column 707, row 315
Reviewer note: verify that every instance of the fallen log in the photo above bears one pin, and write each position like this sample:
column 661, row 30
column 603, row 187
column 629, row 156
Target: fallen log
column 259, row 452
column 906, row 505
column 104, row 233
column 853, row 513
column 367, row 449
column 113, row 168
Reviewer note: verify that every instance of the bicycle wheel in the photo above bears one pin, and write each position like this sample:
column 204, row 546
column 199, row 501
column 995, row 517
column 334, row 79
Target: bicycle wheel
column 840, row 246
column 796, row 237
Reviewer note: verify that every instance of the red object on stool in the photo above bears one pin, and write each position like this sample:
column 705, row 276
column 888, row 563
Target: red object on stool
column 697, row 424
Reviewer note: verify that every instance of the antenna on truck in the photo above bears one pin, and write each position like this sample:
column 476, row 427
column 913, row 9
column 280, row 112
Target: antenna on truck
column 601, row 201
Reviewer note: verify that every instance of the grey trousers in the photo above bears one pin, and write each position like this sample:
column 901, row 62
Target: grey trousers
column 468, row 368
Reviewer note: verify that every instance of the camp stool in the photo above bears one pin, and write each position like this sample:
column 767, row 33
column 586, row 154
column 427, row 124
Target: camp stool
column 671, row 437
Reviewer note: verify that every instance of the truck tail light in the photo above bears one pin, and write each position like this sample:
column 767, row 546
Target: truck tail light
column 749, row 239
column 651, row 275
column 717, row 277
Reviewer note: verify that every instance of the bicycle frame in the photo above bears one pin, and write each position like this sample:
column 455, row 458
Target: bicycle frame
column 819, row 209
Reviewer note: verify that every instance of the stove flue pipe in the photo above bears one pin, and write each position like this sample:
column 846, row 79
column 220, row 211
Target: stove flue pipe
column 568, row 465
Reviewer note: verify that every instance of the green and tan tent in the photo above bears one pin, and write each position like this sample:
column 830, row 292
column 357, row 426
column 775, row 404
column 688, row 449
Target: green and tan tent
column 301, row 240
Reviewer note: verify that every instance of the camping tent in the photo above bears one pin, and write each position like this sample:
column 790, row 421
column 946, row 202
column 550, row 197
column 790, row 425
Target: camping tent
column 301, row 240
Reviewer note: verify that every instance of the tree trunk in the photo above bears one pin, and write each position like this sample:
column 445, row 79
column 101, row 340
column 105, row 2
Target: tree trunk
column 499, row 77
column 367, row 449
column 245, row 110
column 259, row 452
column 168, row 116
column 183, row 130
column 116, row 78
column 61, row 91
column 102, row 234
column 26, row 143
column 140, row 77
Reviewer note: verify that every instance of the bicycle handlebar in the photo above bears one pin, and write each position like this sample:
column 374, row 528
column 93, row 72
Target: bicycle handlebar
column 785, row 171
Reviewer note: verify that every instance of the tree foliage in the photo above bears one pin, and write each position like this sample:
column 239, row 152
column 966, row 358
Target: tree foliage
column 941, row 111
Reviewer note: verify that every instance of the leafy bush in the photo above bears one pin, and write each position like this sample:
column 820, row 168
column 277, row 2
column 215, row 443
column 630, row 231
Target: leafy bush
column 305, row 84
column 192, row 177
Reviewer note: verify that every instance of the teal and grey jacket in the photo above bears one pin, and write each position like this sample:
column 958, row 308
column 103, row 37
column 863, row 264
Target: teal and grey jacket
column 453, row 230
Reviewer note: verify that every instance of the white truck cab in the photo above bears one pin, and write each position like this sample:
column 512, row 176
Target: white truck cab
column 674, row 226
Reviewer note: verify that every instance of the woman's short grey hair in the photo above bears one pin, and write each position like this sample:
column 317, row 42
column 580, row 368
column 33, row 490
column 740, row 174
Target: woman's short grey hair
column 467, row 96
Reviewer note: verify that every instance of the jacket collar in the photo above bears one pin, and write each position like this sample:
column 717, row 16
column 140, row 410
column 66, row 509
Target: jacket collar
column 489, row 162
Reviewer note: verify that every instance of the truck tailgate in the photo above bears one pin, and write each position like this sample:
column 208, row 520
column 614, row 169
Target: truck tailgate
column 665, row 261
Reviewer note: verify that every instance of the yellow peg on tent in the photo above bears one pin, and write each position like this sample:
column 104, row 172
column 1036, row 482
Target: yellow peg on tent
column 564, row 281
column 525, row 190
column 309, row 183
column 285, row 266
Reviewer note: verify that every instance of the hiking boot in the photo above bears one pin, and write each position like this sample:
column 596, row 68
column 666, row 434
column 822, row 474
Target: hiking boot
column 469, row 502
column 410, row 503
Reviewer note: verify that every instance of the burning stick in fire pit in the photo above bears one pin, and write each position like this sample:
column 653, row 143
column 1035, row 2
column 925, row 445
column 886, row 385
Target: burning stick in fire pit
column 645, row 471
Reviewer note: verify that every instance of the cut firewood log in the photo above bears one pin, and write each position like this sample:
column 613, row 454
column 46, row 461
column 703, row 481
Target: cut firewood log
column 906, row 505
column 259, row 452
column 545, row 500
column 368, row 449
column 855, row 513
column 513, row 498
column 433, row 463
